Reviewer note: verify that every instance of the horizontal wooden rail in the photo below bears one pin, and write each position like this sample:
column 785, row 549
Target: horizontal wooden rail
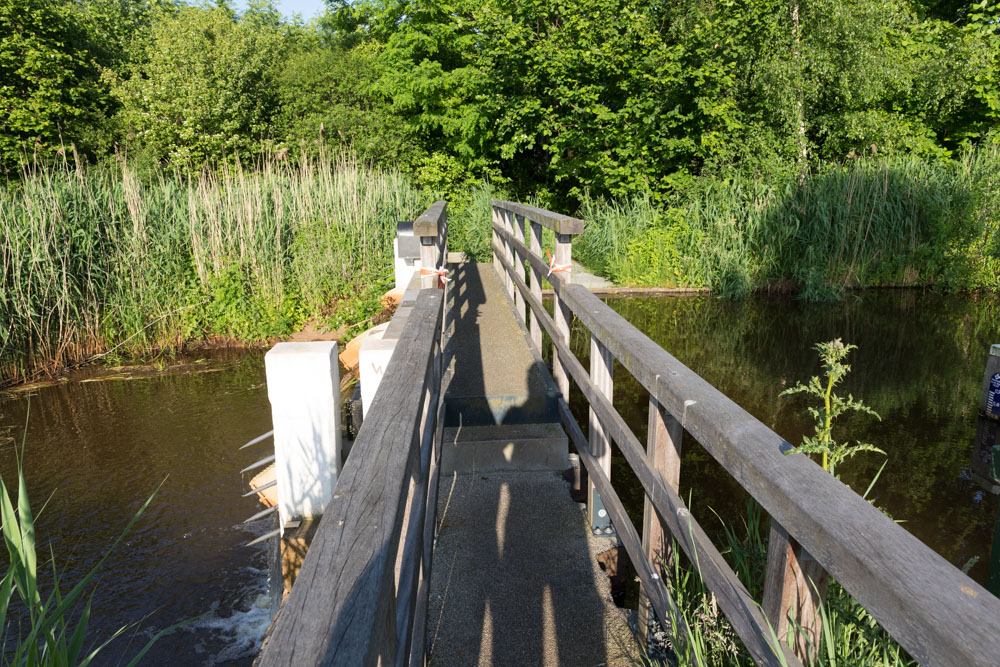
column 937, row 613
column 557, row 222
column 343, row 607
column 431, row 221
column 735, row 601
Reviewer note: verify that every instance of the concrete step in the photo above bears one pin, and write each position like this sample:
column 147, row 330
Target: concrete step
column 507, row 447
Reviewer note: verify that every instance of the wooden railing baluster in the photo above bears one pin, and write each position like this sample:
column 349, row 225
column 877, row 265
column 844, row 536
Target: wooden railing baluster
column 602, row 376
column 562, row 255
column 518, row 228
column 496, row 241
column 663, row 452
column 508, row 223
column 536, row 281
column 794, row 589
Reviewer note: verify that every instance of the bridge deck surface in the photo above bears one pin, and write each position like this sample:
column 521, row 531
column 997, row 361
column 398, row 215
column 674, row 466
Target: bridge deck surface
column 494, row 376
column 515, row 579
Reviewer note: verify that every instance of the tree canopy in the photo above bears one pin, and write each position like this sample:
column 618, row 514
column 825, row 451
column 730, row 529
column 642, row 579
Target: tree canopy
column 614, row 97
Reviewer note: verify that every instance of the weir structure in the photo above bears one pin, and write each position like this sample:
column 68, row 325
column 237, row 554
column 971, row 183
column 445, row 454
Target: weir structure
column 450, row 538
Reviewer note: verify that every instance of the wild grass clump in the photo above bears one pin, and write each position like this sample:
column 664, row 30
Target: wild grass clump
column 100, row 259
column 891, row 221
column 850, row 635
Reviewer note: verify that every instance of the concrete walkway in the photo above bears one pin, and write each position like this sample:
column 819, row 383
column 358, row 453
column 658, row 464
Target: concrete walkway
column 515, row 579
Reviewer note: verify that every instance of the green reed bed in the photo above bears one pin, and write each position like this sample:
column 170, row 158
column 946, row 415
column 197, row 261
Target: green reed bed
column 113, row 259
column 872, row 222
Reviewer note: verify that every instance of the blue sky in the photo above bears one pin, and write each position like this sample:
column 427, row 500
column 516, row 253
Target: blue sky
column 307, row 8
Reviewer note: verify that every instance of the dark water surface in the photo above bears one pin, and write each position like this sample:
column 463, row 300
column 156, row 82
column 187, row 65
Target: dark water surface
column 920, row 365
column 97, row 449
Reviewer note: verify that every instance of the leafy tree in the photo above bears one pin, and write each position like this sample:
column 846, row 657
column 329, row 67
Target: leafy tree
column 202, row 87
column 329, row 92
column 49, row 78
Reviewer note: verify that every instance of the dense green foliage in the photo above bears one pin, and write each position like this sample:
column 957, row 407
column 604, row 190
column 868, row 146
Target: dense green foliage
column 611, row 97
column 732, row 144
column 891, row 221
column 110, row 259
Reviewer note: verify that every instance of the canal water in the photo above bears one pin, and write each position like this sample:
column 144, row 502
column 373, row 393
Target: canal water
column 919, row 363
column 99, row 445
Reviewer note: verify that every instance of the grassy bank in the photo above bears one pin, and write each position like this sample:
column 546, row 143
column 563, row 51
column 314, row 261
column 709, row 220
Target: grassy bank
column 871, row 222
column 118, row 259
column 100, row 259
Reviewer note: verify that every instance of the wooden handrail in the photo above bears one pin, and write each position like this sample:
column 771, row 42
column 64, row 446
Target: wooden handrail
column 430, row 221
column 937, row 613
column 342, row 609
column 557, row 222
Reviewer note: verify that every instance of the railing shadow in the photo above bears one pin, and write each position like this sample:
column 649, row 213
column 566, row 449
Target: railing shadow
column 514, row 574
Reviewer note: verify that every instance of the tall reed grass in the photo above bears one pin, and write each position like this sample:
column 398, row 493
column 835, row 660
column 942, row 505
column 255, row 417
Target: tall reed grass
column 100, row 259
column 891, row 221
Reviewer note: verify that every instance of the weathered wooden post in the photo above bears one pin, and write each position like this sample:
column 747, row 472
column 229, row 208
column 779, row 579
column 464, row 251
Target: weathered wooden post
column 794, row 588
column 431, row 227
column 536, row 282
column 518, row 264
column 561, row 312
column 663, row 451
column 601, row 373
column 303, row 385
column 989, row 406
column 496, row 241
column 508, row 225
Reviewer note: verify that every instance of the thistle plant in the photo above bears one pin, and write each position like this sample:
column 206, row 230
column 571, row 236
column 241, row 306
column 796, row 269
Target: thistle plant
column 832, row 354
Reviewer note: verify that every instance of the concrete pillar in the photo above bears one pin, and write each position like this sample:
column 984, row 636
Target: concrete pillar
column 303, row 385
column 373, row 360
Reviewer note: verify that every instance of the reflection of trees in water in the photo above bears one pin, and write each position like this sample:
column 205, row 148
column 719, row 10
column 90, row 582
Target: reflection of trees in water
column 919, row 364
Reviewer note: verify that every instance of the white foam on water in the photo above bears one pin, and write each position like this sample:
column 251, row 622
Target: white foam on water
column 240, row 634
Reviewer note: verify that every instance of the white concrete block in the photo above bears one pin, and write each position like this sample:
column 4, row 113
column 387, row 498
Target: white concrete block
column 372, row 363
column 404, row 268
column 303, row 385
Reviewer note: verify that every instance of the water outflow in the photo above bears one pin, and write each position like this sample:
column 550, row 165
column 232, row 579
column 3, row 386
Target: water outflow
column 98, row 446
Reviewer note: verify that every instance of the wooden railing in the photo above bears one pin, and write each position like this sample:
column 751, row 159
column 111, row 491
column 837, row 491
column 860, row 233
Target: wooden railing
column 818, row 525
column 432, row 229
column 361, row 595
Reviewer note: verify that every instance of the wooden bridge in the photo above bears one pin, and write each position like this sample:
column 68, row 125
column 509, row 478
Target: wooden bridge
column 449, row 539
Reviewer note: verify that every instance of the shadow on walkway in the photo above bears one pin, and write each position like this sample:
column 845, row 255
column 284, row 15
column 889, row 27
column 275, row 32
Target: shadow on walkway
column 515, row 579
